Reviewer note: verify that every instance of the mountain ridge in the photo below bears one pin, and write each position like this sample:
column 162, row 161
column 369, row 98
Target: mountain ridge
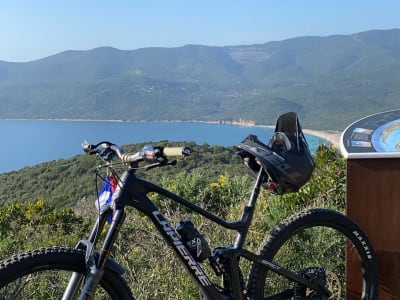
column 330, row 81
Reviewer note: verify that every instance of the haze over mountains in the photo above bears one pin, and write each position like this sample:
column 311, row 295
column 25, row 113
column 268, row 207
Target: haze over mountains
column 329, row 81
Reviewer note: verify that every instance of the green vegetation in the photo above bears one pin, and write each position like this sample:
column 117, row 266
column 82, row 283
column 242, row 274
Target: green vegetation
column 63, row 182
column 32, row 224
column 212, row 177
column 330, row 81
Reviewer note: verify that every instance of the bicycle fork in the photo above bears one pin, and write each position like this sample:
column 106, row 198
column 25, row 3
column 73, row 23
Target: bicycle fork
column 94, row 267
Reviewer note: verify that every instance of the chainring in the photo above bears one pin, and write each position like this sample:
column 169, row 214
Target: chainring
column 321, row 276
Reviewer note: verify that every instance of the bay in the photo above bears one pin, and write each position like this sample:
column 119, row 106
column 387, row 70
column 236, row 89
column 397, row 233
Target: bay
column 30, row 142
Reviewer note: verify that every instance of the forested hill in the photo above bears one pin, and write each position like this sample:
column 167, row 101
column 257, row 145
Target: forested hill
column 63, row 182
column 330, row 81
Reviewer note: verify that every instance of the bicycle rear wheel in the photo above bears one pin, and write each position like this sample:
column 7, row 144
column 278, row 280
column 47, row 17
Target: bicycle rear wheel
column 315, row 244
column 45, row 273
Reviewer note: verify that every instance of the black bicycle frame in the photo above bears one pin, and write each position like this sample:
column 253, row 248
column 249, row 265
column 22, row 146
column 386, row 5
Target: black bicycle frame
column 132, row 191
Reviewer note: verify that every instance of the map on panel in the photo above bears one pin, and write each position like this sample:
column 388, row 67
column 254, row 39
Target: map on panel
column 374, row 136
column 387, row 137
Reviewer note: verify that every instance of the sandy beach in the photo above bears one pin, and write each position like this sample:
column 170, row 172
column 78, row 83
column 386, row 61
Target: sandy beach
column 331, row 136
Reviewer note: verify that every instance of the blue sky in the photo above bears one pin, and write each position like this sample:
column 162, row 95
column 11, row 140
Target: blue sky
column 33, row 29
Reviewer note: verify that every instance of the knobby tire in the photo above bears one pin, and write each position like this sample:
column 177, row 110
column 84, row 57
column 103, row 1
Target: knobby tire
column 44, row 274
column 314, row 240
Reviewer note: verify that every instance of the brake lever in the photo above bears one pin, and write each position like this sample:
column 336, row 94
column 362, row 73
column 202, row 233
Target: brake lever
column 160, row 163
column 172, row 163
column 152, row 166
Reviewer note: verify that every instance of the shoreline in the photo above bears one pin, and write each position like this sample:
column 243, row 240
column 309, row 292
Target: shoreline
column 331, row 136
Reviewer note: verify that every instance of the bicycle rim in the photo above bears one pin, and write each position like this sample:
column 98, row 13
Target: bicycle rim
column 45, row 273
column 315, row 244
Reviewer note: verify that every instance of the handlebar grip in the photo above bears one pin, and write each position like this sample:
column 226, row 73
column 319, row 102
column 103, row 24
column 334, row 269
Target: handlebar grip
column 176, row 151
column 129, row 157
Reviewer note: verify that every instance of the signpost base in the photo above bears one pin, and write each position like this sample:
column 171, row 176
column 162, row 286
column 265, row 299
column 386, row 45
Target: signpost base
column 372, row 149
column 373, row 202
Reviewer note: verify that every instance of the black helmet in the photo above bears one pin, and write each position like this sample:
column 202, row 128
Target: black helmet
column 286, row 159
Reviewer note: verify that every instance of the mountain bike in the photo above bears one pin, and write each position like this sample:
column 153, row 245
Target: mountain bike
column 89, row 272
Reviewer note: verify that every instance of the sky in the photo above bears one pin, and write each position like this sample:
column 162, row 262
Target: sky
column 33, row 29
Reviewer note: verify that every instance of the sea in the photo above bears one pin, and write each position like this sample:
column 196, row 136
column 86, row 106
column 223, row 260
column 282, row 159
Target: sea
column 25, row 143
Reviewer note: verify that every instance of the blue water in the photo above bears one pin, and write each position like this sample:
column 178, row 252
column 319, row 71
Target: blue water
column 30, row 142
column 391, row 143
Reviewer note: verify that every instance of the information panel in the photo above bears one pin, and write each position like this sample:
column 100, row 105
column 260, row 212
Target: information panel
column 374, row 136
column 372, row 148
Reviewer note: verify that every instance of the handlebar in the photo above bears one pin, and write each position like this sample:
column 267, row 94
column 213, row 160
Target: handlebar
column 107, row 151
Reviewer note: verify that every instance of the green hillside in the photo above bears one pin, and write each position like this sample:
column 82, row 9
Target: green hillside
column 330, row 81
column 64, row 182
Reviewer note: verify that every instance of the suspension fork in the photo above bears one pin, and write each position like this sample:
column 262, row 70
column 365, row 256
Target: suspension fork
column 87, row 245
column 94, row 267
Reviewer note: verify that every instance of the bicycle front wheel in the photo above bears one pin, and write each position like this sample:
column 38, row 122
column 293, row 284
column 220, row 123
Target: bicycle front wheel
column 45, row 273
column 315, row 243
